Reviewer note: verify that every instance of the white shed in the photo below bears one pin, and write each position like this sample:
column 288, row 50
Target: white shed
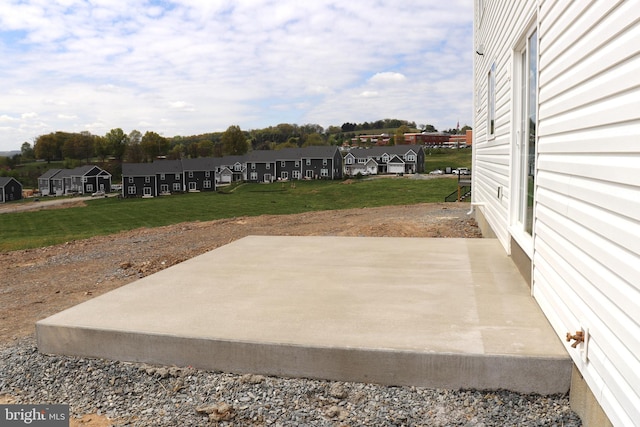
column 556, row 175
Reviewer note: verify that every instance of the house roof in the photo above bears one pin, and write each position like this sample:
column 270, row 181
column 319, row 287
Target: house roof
column 200, row 164
column 391, row 150
column 5, row 180
column 147, row 169
column 49, row 174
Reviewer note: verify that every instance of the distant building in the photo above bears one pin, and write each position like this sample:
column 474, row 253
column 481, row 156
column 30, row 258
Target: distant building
column 429, row 139
column 10, row 189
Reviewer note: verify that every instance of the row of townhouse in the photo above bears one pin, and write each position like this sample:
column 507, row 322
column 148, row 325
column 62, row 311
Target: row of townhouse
column 394, row 159
column 205, row 174
column 81, row 180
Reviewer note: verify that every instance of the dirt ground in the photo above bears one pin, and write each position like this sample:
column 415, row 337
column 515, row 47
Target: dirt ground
column 37, row 283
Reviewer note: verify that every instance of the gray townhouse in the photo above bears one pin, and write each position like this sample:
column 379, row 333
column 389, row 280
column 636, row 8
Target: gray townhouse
column 206, row 174
column 81, row 180
column 316, row 162
column 199, row 174
column 152, row 179
column 392, row 159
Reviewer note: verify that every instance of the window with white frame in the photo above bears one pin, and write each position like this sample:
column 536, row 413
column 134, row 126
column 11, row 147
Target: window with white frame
column 164, row 188
column 491, row 101
column 131, row 180
column 308, row 162
column 162, row 177
column 131, row 189
column 253, row 165
column 324, row 172
column 190, row 174
column 206, row 183
column 176, row 186
column 147, row 179
column 296, row 174
column 283, row 163
column 253, row 176
column 207, row 174
column 177, row 177
column 268, row 166
column 324, row 162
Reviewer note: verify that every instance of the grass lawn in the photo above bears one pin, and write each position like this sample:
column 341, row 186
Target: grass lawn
column 441, row 158
column 106, row 216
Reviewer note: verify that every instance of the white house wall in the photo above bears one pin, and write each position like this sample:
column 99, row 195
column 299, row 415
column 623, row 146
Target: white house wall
column 498, row 25
column 587, row 238
column 586, row 235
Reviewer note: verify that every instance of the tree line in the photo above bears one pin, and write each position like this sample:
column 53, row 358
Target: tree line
column 117, row 146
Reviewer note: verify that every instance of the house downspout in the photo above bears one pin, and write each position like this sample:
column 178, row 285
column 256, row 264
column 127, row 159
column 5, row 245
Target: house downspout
column 473, row 205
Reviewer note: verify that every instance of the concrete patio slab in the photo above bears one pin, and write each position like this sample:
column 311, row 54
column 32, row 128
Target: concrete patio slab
column 444, row 313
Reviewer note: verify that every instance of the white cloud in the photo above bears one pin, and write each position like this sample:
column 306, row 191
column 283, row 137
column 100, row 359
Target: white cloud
column 255, row 63
column 387, row 78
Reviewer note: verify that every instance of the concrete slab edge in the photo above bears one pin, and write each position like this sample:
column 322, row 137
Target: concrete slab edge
column 523, row 374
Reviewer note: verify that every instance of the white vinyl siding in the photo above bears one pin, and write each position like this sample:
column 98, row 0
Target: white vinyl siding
column 587, row 259
column 504, row 24
column 586, row 234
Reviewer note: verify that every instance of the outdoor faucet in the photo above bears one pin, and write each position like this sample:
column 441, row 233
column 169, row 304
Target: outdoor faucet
column 579, row 337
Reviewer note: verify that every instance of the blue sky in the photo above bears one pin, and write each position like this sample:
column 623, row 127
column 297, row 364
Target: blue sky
column 186, row 67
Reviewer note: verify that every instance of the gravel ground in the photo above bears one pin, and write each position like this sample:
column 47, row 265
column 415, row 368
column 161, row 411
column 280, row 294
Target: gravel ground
column 143, row 395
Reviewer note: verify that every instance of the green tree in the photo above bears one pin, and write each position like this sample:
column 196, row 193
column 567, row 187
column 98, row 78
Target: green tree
column 117, row 142
column 102, row 148
column 398, row 139
column 234, row 143
column 205, row 148
column 154, row 145
column 314, row 139
column 47, row 147
column 27, row 152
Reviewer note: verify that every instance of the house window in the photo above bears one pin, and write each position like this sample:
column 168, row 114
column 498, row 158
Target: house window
column 308, row 162
column 206, row 184
column 283, row 163
column 296, row 174
column 324, row 162
column 131, row 189
column 297, row 163
column 131, row 180
column 324, row 173
column 237, row 167
column 147, row 179
column 268, row 166
column 491, row 101
column 162, row 177
column 253, row 176
column 89, row 188
column 349, row 160
column 411, row 158
column 190, row 174
column 253, row 166
column 207, row 174
column 177, row 177
column 176, row 186
column 164, row 188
